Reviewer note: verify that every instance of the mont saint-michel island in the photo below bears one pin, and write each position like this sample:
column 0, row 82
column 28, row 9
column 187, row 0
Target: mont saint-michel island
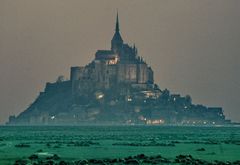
column 116, row 87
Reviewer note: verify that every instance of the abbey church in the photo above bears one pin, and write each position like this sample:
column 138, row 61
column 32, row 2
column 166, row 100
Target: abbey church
column 121, row 64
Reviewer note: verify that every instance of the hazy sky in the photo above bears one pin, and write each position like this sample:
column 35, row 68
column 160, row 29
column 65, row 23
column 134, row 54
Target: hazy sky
column 192, row 45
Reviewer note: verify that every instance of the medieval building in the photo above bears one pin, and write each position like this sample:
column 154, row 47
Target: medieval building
column 117, row 87
column 120, row 64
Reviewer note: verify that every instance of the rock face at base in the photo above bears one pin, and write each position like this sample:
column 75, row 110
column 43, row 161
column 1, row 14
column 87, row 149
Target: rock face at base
column 117, row 87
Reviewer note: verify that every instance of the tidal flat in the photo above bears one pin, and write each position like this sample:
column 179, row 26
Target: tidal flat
column 119, row 145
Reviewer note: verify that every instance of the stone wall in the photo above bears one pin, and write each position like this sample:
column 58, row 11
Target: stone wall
column 142, row 76
column 127, row 73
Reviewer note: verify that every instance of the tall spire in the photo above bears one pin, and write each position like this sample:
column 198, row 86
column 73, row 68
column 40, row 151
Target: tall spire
column 117, row 24
column 117, row 41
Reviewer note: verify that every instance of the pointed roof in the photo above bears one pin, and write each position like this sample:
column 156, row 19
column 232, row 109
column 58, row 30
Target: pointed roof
column 117, row 24
column 117, row 37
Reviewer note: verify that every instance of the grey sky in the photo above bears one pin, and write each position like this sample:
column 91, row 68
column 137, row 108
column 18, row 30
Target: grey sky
column 192, row 45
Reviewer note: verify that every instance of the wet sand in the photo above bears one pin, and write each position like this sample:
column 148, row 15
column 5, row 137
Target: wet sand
column 119, row 145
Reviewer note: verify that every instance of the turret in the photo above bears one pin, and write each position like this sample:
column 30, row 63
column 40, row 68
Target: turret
column 75, row 73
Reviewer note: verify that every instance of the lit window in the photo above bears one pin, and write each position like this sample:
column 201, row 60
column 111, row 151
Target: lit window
column 113, row 61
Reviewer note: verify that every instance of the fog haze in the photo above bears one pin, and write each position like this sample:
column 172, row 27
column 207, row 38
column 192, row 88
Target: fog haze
column 193, row 46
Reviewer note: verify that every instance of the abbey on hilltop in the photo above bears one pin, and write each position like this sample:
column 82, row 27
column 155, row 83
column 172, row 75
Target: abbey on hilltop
column 117, row 87
column 111, row 68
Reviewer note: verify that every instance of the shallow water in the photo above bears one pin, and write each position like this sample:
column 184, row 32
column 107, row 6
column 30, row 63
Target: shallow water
column 85, row 142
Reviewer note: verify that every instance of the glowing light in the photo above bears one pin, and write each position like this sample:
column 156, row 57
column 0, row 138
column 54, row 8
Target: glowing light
column 113, row 61
column 100, row 96
column 160, row 121
column 150, row 94
column 52, row 117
